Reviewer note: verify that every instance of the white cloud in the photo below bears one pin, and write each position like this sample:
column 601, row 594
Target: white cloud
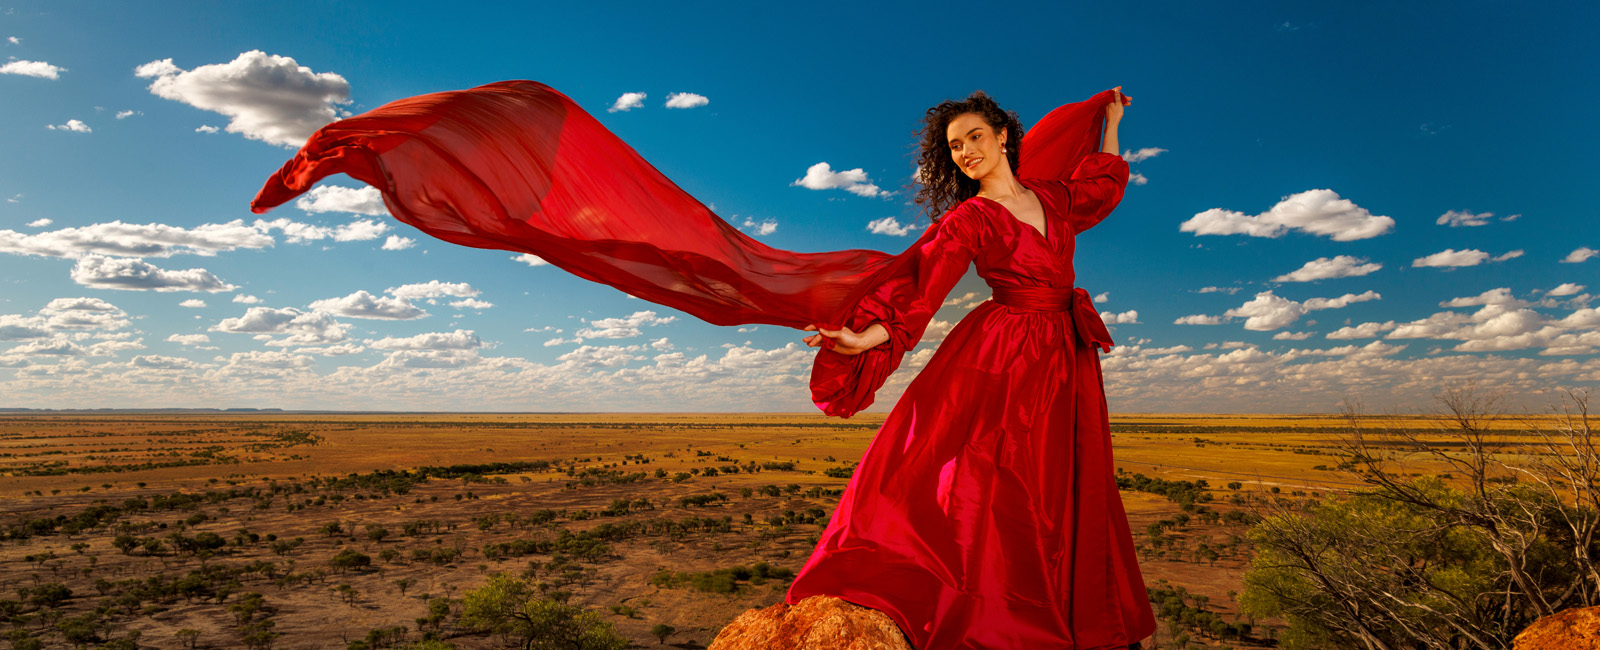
column 398, row 243
column 303, row 327
column 332, row 198
column 1267, row 311
column 1124, row 318
column 1362, row 331
column 193, row 303
column 189, row 339
column 1501, row 296
column 14, row 40
column 1291, row 336
column 365, row 305
column 135, row 240
column 627, row 102
column 890, row 226
column 433, row 289
column 1227, row 290
column 1317, row 212
column 765, row 227
column 1322, row 268
column 625, row 327
column 530, row 259
column 457, row 340
column 1566, row 289
column 361, row 230
column 38, row 69
column 1198, row 319
column 1451, row 258
column 296, row 232
column 1142, row 154
column 132, row 274
column 1136, row 178
column 686, row 100
column 471, row 303
column 561, row 341
column 206, row 128
column 122, row 115
column 1459, row 218
column 1103, row 297
column 39, row 223
column 821, row 177
column 268, row 98
column 609, row 356
column 246, row 299
column 1582, row 253
column 76, row 126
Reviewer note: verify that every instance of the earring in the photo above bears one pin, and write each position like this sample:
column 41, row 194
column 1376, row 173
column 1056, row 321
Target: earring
column 1002, row 149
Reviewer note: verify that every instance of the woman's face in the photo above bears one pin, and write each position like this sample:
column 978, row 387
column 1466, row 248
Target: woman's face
column 974, row 145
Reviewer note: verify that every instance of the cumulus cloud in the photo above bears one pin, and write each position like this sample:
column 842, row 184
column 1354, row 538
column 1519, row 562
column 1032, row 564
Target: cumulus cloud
column 1227, row 290
column 1267, row 311
column 38, row 69
column 471, row 303
column 686, row 100
column 433, row 289
column 302, row 327
column 1459, row 218
column 131, row 274
column 1322, row 268
column 246, row 299
column 1579, row 255
column 122, row 115
column 135, row 240
column 764, row 227
column 1451, row 258
column 1128, row 317
column 822, row 177
column 457, row 340
column 398, row 243
column 76, row 126
column 206, row 128
column 1146, row 153
column 529, row 259
column 1136, row 178
column 625, row 327
column 332, row 198
column 1316, row 212
column 1198, row 319
column 189, row 339
column 890, row 226
column 1291, row 336
column 365, row 305
column 39, row 223
column 1566, row 289
column 627, row 102
column 1362, row 331
column 267, row 97
column 561, row 341
column 296, row 232
column 193, row 303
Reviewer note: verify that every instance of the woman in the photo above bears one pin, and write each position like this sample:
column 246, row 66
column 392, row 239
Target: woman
column 985, row 513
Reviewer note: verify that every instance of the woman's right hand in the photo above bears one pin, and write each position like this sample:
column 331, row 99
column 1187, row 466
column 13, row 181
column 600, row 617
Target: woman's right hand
column 845, row 340
column 1114, row 108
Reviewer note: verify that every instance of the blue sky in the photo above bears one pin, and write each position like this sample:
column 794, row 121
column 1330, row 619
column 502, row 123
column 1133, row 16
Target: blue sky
column 1366, row 199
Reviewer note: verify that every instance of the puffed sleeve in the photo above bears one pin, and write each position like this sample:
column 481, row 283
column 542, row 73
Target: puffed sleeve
column 1094, row 190
column 904, row 297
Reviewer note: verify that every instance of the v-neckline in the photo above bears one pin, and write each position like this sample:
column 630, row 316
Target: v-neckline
column 1042, row 235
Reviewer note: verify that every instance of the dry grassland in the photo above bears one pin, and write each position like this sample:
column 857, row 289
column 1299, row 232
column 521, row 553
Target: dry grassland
column 282, row 470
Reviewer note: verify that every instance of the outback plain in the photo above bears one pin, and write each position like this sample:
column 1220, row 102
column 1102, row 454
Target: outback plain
column 262, row 529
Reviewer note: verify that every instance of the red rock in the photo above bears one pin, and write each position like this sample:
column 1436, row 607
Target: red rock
column 1569, row 629
column 816, row 623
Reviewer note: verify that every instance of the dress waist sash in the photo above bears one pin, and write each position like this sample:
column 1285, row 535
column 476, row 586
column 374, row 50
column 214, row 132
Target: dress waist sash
column 1073, row 300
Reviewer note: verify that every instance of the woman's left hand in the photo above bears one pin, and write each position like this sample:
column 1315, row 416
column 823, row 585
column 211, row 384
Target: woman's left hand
column 1118, row 100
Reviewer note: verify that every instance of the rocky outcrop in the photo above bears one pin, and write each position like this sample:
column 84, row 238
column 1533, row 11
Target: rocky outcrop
column 816, row 623
column 1571, row 629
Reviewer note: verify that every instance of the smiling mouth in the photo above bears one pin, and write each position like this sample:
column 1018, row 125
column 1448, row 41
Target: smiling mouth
column 974, row 163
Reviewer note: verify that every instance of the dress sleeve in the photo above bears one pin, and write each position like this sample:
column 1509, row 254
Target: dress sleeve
column 1094, row 190
column 904, row 297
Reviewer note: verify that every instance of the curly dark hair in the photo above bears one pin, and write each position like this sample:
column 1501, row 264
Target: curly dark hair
column 943, row 185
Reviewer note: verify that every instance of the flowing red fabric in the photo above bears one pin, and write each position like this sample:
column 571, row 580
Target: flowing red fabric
column 984, row 513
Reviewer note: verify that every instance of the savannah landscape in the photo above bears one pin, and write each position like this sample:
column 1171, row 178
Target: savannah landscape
column 264, row 529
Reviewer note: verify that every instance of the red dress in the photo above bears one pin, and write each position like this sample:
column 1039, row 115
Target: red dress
column 984, row 514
